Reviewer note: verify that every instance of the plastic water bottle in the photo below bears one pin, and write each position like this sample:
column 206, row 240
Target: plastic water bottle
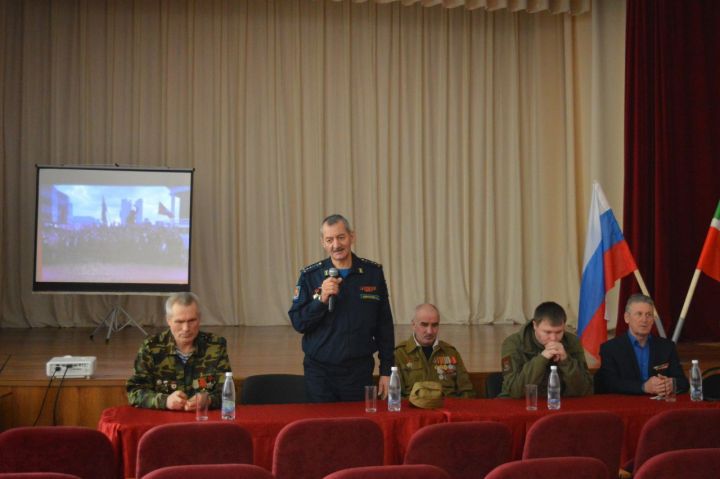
column 696, row 393
column 228, row 398
column 553, row 389
column 394, row 390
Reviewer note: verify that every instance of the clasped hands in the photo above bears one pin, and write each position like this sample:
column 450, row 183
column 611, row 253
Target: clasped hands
column 178, row 401
column 554, row 351
column 659, row 385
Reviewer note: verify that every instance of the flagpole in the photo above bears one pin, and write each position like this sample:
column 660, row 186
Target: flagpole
column 686, row 306
column 643, row 288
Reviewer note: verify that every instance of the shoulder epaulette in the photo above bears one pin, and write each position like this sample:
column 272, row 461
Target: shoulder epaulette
column 365, row 260
column 311, row 267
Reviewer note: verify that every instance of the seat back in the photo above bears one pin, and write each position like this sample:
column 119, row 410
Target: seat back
column 711, row 384
column 493, row 385
column 273, row 389
column 405, row 471
column 597, row 434
column 685, row 463
column 678, row 429
column 78, row 451
column 214, row 471
column 462, row 449
column 314, row 448
column 552, row 468
column 193, row 443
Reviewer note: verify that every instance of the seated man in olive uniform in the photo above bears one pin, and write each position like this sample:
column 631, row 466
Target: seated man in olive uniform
column 424, row 358
column 528, row 354
column 172, row 366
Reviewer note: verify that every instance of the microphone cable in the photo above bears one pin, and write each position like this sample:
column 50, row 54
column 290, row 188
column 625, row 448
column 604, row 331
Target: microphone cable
column 47, row 390
column 57, row 396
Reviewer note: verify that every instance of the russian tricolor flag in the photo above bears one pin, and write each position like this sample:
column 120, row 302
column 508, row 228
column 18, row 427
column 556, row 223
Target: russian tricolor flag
column 607, row 259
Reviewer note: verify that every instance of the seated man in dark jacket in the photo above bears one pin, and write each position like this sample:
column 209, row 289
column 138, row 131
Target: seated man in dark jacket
column 637, row 362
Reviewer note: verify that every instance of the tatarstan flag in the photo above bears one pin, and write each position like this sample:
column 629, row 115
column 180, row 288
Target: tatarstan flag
column 709, row 262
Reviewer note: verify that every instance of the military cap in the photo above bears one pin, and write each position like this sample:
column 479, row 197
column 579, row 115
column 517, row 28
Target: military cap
column 426, row 394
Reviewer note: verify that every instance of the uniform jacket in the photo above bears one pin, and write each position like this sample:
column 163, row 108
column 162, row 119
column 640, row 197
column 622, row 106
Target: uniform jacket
column 523, row 364
column 620, row 373
column 445, row 366
column 361, row 322
column 159, row 372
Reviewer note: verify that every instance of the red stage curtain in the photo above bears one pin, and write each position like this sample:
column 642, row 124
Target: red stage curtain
column 672, row 154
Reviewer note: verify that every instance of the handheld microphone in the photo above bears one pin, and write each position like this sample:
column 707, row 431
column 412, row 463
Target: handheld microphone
column 333, row 273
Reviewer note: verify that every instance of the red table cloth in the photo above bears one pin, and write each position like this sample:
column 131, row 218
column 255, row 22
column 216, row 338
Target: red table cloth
column 125, row 424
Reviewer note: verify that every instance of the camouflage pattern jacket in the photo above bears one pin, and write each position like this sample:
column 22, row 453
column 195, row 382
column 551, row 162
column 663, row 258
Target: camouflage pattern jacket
column 445, row 366
column 159, row 371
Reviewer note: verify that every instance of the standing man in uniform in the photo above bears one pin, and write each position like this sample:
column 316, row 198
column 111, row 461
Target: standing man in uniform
column 425, row 358
column 528, row 354
column 174, row 365
column 344, row 319
column 638, row 362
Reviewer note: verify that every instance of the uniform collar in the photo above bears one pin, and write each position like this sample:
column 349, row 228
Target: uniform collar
column 171, row 346
column 356, row 267
column 411, row 344
column 435, row 344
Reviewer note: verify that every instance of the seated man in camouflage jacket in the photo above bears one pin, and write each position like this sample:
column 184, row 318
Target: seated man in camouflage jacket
column 175, row 364
column 425, row 358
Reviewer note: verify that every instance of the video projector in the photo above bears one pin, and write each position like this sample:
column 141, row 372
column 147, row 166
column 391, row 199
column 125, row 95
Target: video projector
column 71, row 366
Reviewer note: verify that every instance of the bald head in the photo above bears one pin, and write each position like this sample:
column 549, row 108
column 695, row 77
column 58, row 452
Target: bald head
column 426, row 324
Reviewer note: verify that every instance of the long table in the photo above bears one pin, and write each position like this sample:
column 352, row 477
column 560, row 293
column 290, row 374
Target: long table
column 124, row 425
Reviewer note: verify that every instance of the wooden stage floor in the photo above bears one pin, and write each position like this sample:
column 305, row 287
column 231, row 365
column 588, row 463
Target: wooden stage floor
column 252, row 350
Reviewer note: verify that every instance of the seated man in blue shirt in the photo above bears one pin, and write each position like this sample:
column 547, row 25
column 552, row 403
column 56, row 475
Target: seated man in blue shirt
column 637, row 362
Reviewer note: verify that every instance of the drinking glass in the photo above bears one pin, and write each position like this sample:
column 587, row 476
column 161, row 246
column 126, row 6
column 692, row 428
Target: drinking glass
column 370, row 398
column 202, row 403
column 531, row 392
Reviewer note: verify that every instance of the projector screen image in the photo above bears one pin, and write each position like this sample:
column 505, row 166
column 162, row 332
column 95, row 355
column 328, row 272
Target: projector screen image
column 112, row 230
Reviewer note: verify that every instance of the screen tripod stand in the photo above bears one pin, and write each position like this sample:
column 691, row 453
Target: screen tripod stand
column 113, row 323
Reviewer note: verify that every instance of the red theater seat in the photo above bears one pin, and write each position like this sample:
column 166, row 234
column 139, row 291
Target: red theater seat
column 678, row 429
column 406, row 471
column 314, row 448
column 589, row 434
column 685, row 463
column 193, row 443
column 462, row 449
column 214, row 471
column 77, row 451
column 552, row 468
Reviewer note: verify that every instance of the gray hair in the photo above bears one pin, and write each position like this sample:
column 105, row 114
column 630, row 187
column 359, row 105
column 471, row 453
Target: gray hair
column 638, row 298
column 183, row 299
column 426, row 305
column 336, row 218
